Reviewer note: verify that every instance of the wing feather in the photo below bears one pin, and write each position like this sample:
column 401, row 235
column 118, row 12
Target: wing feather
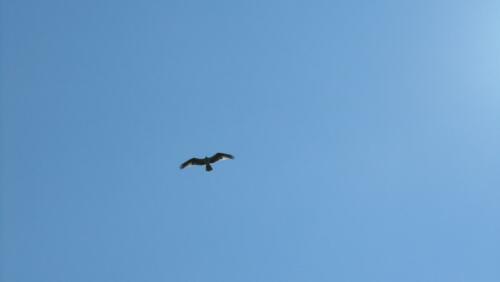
column 220, row 156
column 193, row 161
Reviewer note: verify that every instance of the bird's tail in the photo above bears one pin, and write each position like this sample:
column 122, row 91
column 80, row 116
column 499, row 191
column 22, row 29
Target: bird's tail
column 208, row 167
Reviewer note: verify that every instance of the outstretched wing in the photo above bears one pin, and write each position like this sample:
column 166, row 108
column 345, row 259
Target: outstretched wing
column 220, row 156
column 193, row 161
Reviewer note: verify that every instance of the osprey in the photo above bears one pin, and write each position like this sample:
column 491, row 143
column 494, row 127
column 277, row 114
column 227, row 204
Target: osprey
column 207, row 161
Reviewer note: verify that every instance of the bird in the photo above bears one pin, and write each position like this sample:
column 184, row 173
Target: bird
column 207, row 161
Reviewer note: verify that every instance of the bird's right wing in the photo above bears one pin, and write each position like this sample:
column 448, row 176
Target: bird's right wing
column 193, row 161
column 221, row 156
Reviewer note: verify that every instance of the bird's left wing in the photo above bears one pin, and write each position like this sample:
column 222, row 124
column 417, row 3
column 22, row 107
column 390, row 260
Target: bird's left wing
column 221, row 156
column 193, row 161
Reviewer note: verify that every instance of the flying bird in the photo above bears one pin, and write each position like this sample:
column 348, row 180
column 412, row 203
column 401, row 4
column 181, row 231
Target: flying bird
column 207, row 161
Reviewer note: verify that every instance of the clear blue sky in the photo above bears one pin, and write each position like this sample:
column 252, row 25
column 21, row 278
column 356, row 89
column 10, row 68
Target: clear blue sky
column 366, row 136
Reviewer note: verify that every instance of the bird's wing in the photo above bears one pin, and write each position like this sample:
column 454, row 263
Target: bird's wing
column 193, row 161
column 220, row 156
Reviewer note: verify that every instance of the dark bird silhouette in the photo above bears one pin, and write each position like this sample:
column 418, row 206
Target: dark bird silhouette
column 207, row 161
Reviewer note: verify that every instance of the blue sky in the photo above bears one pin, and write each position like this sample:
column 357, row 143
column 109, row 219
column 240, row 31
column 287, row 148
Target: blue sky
column 366, row 136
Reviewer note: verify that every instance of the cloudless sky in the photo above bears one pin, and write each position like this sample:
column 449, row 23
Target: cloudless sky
column 366, row 137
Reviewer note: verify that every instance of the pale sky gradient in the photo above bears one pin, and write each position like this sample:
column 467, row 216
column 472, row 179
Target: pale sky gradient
column 366, row 136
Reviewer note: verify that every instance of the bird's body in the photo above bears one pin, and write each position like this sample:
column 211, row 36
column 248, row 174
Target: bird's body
column 207, row 161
